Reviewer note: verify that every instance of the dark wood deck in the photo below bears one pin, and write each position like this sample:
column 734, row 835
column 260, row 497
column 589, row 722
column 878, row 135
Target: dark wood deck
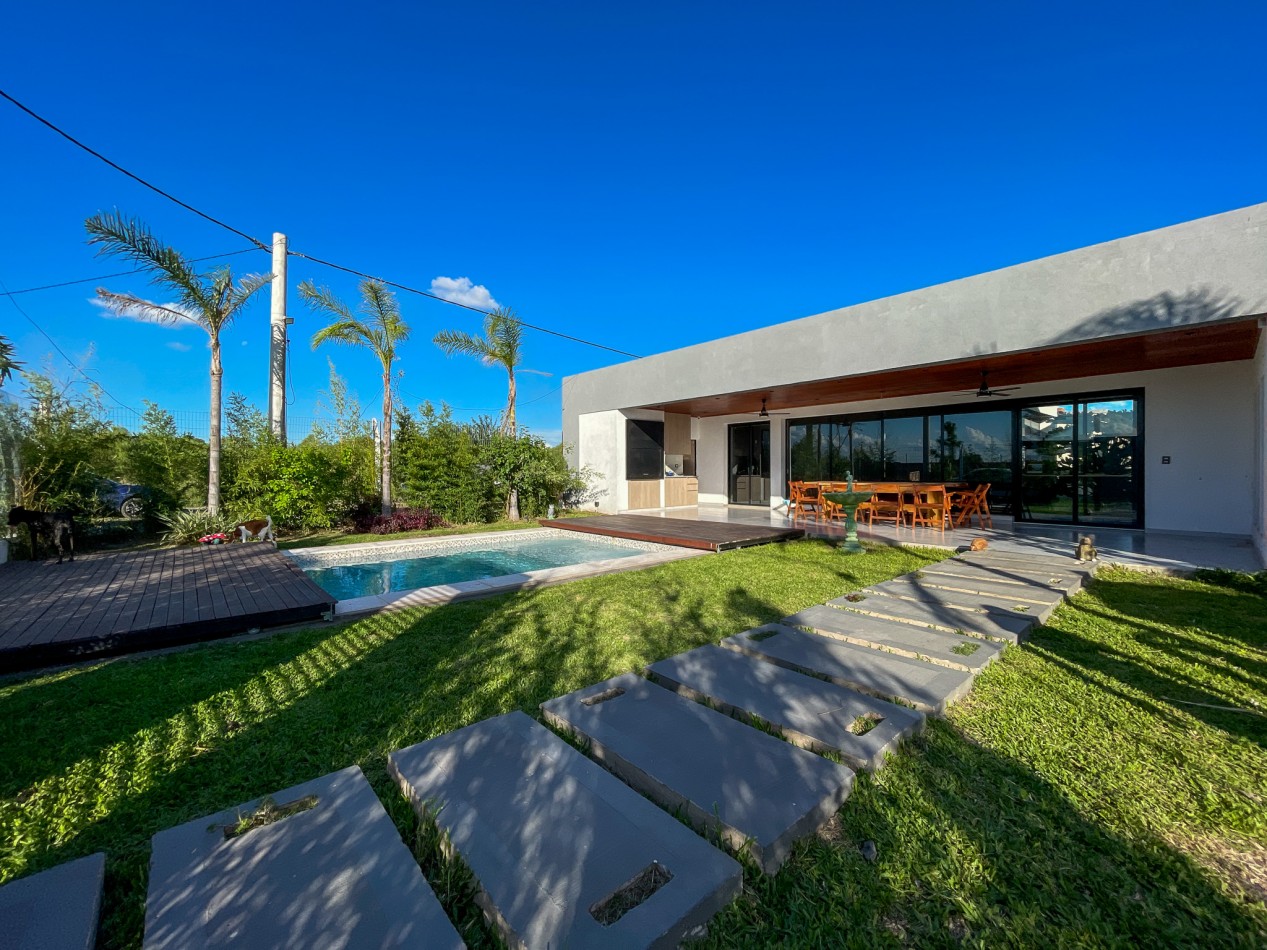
column 679, row 532
column 103, row 604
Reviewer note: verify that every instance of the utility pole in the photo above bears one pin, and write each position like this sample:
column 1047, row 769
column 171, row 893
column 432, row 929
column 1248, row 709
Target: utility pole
column 277, row 341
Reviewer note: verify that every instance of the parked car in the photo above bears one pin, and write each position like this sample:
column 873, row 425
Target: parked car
column 127, row 500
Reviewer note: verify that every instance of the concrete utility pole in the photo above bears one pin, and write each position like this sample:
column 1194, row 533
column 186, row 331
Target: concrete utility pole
column 277, row 342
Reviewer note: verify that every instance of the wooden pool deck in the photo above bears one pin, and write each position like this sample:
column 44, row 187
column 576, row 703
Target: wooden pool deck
column 104, row 604
column 679, row 532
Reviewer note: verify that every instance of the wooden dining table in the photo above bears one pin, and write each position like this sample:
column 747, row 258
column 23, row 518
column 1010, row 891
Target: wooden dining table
column 894, row 493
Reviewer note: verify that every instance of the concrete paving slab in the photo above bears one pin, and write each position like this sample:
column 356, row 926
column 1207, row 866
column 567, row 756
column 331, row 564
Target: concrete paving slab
column 935, row 612
column 751, row 788
column 1062, row 581
column 962, row 600
column 334, row 875
column 955, row 650
column 927, row 687
column 810, row 712
column 1026, row 594
column 551, row 837
column 56, row 909
column 1041, row 561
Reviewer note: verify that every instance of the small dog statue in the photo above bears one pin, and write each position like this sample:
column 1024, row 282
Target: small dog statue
column 260, row 529
column 978, row 544
column 1086, row 548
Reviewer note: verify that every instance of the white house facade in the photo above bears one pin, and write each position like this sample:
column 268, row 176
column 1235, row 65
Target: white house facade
column 1127, row 388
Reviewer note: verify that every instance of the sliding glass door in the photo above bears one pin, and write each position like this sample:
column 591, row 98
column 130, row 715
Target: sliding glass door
column 1080, row 463
column 750, row 464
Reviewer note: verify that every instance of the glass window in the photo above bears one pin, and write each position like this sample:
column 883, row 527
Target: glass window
column 1047, row 462
column 868, row 450
column 1108, row 442
column 904, row 449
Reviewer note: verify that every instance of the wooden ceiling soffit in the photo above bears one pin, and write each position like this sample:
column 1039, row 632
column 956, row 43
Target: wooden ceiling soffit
column 1166, row 349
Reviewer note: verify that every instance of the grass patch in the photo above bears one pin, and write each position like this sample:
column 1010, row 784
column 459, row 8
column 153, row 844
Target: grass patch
column 1074, row 798
column 266, row 813
column 966, row 649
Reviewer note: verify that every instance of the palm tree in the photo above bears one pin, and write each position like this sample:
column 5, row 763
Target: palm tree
column 210, row 301
column 7, row 363
column 499, row 346
column 378, row 328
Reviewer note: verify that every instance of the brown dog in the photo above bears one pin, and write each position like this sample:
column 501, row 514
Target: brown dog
column 259, row 529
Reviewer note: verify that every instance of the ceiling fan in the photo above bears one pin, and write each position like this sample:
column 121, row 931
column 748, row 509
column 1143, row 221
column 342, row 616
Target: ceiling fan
column 985, row 390
column 766, row 413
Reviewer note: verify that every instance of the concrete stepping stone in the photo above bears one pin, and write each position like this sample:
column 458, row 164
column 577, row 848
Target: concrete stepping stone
column 926, row 687
column 1025, row 594
column 1046, row 562
column 55, row 909
column 1065, row 583
column 955, row 650
column 754, row 790
column 936, row 612
column 334, row 873
column 964, row 601
column 810, row 712
column 565, row 854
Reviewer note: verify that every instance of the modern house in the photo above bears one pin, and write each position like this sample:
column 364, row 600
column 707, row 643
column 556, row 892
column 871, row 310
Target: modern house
column 1123, row 384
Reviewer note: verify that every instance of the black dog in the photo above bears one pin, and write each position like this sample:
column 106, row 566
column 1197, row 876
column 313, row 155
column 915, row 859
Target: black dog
column 57, row 526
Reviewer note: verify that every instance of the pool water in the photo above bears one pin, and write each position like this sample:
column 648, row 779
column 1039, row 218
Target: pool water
column 346, row 581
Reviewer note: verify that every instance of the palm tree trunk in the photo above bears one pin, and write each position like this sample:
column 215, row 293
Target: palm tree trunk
column 387, row 439
column 512, row 503
column 213, row 467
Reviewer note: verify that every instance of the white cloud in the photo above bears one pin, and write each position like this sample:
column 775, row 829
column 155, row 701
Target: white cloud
column 461, row 290
column 244, row 343
column 142, row 317
column 179, row 347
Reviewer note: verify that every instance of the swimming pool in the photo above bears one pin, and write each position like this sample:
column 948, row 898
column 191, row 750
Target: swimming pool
column 370, row 572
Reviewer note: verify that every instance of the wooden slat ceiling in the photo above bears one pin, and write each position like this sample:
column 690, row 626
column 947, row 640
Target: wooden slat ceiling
column 1185, row 346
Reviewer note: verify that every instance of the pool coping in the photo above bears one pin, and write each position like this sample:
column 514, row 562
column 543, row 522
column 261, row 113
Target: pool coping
column 486, row 587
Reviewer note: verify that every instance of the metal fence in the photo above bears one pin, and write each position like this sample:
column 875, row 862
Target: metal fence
column 198, row 424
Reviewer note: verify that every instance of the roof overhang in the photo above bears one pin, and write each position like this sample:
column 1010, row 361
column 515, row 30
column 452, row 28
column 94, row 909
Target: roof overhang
column 1163, row 349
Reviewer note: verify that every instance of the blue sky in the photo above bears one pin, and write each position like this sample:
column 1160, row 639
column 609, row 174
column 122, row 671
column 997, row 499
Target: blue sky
column 646, row 176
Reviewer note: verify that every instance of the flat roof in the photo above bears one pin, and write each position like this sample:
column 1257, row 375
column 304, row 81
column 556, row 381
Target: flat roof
column 1183, row 294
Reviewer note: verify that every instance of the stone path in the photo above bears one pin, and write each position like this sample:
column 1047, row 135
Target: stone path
column 752, row 789
column 567, row 853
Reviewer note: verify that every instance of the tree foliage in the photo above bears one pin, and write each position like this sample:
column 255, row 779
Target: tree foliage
column 210, row 302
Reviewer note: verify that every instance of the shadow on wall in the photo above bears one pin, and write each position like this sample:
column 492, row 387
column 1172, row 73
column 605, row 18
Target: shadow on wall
column 1164, row 311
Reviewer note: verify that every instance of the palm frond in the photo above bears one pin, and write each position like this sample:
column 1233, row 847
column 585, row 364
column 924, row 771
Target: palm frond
column 128, row 238
column 123, row 304
column 322, row 299
column 350, row 331
column 459, row 341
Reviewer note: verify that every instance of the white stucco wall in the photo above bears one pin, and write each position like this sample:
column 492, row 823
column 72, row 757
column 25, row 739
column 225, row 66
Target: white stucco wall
column 1260, row 449
column 1201, row 416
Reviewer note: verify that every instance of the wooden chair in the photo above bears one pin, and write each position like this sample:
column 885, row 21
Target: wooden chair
column 885, row 505
column 929, row 507
column 806, row 500
column 966, row 504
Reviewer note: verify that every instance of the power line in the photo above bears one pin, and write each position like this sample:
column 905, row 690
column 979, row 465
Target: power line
column 464, row 306
column 73, row 365
column 126, row 273
column 137, row 178
column 316, row 260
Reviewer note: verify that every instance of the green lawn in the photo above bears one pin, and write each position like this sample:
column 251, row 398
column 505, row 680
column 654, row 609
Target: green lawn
column 1071, row 800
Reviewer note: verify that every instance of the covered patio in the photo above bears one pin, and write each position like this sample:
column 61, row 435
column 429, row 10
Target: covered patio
column 1166, row 551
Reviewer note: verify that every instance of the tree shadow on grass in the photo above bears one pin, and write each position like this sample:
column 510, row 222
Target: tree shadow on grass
column 975, row 848
column 1178, row 650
